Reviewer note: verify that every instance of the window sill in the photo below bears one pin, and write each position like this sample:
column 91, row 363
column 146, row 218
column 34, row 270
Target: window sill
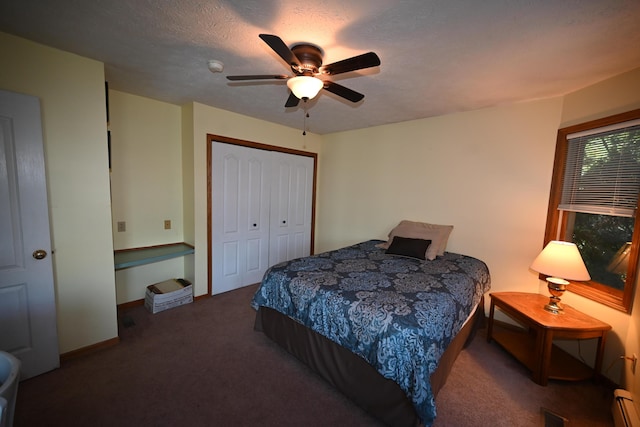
column 609, row 299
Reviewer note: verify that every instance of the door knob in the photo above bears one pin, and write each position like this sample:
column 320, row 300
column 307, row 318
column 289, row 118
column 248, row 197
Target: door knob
column 39, row 254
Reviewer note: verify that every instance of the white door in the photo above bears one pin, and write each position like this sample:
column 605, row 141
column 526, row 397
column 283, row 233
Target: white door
column 291, row 203
column 27, row 299
column 240, row 216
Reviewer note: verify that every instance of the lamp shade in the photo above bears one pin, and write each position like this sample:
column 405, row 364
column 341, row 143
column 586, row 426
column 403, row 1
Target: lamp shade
column 305, row 86
column 562, row 260
column 620, row 262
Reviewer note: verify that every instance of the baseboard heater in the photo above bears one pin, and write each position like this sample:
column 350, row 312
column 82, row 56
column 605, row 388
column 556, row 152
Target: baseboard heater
column 624, row 410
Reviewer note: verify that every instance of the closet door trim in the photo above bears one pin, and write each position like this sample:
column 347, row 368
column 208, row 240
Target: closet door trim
column 223, row 139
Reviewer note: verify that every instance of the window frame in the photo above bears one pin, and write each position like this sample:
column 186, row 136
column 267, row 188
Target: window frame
column 556, row 226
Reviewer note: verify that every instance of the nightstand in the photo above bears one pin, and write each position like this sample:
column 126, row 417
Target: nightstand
column 532, row 344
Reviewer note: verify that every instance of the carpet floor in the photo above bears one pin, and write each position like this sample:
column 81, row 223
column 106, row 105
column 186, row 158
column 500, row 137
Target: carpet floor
column 202, row 364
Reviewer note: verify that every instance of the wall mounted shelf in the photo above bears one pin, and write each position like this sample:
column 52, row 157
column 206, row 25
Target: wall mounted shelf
column 127, row 258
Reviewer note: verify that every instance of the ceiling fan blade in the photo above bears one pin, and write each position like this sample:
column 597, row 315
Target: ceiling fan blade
column 259, row 77
column 280, row 48
column 366, row 60
column 292, row 101
column 342, row 91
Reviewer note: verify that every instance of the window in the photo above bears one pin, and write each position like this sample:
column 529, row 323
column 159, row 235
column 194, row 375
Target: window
column 593, row 202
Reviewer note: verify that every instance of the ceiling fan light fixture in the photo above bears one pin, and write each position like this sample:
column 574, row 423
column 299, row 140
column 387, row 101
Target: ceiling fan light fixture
column 305, row 86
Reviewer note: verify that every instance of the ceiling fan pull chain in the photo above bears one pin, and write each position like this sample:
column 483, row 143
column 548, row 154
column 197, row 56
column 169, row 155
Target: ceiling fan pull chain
column 306, row 114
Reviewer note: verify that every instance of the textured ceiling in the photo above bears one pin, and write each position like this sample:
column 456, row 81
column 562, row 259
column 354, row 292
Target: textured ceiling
column 437, row 57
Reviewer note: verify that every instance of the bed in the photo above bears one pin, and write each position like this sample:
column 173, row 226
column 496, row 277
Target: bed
column 382, row 328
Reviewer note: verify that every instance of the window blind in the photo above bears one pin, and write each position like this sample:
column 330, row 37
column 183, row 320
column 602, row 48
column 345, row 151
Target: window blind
column 602, row 174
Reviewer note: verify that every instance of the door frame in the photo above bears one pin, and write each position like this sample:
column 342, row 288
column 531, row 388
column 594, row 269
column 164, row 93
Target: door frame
column 211, row 138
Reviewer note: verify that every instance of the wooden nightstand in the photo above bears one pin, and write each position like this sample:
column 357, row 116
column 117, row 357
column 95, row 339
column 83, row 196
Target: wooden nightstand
column 533, row 344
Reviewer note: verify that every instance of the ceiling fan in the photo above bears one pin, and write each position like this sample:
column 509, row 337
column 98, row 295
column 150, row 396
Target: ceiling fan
column 305, row 60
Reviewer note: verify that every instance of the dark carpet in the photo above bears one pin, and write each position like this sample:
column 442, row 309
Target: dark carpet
column 202, row 364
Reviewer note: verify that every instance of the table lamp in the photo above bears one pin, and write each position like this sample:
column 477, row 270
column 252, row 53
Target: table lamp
column 561, row 261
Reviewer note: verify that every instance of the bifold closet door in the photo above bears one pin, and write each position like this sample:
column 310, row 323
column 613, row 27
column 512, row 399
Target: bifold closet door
column 291, row 204
column 239, row 215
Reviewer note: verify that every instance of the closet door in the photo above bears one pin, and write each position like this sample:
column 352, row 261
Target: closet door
column 240, row 216
column 291, row 203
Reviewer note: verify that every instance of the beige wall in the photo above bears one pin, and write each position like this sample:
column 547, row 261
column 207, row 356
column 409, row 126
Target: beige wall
column 612, row 96
column 146, row 186
column 486, row 172
column 146, row 170
column 71, row 92
column 209, row 120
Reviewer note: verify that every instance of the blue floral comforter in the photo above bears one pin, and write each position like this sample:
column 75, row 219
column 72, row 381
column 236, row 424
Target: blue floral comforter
column 398, row 313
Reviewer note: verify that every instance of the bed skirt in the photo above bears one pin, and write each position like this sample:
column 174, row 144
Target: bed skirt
column 351, row 374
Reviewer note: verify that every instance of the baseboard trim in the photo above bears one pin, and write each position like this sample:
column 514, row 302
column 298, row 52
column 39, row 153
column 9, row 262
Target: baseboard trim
column 131, row 304
column 201, row 297
column 113, row 341
column 84, row 351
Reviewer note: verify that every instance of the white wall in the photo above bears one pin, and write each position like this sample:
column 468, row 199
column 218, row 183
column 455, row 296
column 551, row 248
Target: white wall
column 71, row 91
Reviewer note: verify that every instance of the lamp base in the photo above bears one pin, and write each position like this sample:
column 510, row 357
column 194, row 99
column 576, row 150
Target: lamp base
column 553, row 307
column 556, row 287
